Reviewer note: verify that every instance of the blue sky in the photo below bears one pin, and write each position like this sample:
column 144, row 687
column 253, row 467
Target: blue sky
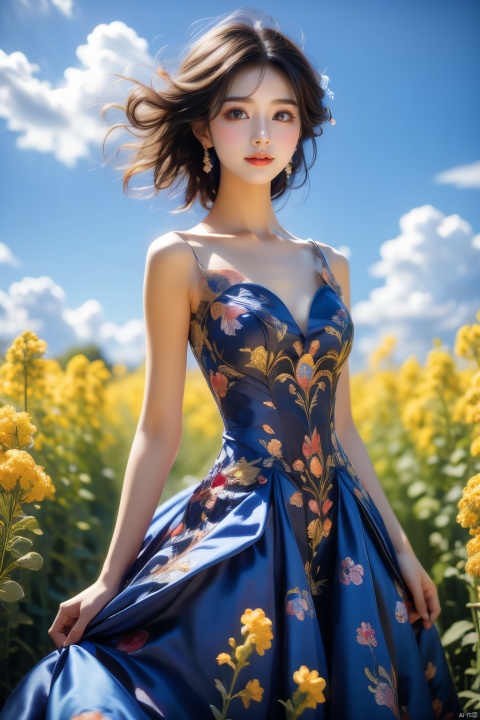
column 396, row 182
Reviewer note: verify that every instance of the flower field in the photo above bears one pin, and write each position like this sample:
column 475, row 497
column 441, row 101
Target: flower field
column 66, row 428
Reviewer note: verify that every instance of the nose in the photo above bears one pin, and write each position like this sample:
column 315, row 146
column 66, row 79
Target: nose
column 261, row 137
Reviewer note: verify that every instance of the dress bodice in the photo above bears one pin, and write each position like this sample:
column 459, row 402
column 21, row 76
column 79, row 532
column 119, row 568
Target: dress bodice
column 274, row 385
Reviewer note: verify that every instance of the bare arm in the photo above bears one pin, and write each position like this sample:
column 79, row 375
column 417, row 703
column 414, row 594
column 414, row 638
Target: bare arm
column 423, row 589
column 168, row 277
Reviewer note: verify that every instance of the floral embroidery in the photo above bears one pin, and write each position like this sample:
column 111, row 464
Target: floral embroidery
column 384, row 686
column 401, row 614
column 228, row 312
column 297, row 499
column 133, row 642
column 301, row 605
column 366, row 635
column 219, row 383
column 350, row 573
column 384, row 696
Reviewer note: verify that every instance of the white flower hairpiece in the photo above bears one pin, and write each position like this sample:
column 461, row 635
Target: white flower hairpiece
column 324, row 85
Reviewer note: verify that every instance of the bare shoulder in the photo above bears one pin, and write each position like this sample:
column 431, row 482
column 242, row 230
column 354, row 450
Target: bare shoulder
column 171, row 262
column 171, row 251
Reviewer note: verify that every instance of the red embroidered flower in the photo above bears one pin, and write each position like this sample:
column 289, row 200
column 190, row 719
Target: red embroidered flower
column 133, row 642
column 366, row 635
column 219, row 384
column 326, row 506
column 219, row 480
column 307, row 447
column 313, row 505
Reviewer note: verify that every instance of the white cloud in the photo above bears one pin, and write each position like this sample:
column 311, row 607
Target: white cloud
column 431, row 284
column 39, row 304
column 462, row 176
column 7, row 257
column 65, row 6
column 65, row 119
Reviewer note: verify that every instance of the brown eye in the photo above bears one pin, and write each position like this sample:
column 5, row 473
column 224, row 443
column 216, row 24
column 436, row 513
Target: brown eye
column 236, row 114
column 284, row 116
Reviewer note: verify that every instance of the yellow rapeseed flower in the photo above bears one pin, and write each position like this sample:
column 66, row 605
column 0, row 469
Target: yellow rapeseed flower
column 18, row 465
column 467, row 342
column 473, row 546
column 469, row 505
column 253, row 691
column 311, row 684
column 472, row 565
column 16, row 429
column 259, row 628
column 383, row 352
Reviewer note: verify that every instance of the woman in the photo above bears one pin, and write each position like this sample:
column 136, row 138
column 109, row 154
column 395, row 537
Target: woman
column 290, row 530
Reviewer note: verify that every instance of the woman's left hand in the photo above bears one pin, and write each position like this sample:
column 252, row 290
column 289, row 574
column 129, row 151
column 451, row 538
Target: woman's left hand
column 422, row 587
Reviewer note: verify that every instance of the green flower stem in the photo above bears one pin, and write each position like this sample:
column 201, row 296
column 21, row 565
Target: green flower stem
column 229, row 698
column 7, row 510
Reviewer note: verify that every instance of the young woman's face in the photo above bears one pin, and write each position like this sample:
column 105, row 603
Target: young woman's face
column 255, row 133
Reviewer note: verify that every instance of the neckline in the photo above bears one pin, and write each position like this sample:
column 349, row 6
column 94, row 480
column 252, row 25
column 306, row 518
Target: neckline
column 303, row 335
column 326, row 274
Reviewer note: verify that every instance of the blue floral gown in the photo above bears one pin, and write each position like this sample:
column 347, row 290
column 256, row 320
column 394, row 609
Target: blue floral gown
column 282, row 522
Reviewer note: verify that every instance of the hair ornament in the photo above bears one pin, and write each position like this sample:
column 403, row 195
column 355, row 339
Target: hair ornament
column 324, row 85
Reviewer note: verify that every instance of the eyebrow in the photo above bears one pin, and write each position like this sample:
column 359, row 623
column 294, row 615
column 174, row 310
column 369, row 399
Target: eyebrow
column 283, row 101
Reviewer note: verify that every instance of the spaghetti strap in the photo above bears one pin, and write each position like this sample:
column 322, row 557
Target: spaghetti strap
column 330, row 278
column 193, row 251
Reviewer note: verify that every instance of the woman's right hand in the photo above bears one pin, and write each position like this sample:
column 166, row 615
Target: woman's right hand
column 74, row 615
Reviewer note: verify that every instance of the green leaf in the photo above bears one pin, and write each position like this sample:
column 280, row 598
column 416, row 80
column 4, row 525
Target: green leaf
column 457, row 471
column 23, row 619
column 19, row 545
column 10, row 591
column 451, row 572
column 221, row 689
column 86, row 494
column 417, row 488
column 32, row 561
column 456, row 631
column 216, row 712
column 469, row 639
column 27, row 523
column 457, row 455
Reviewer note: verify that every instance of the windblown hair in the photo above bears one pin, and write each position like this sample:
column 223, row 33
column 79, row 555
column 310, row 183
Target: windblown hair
column 161, row 120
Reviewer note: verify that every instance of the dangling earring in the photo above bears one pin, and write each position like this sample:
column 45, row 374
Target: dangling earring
column 207, row 163
column 288, row 168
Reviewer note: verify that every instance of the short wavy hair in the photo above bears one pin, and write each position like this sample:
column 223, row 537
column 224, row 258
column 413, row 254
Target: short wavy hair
column 161, row 119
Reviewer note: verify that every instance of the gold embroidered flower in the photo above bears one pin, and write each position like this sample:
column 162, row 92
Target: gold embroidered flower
column 274, row 447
